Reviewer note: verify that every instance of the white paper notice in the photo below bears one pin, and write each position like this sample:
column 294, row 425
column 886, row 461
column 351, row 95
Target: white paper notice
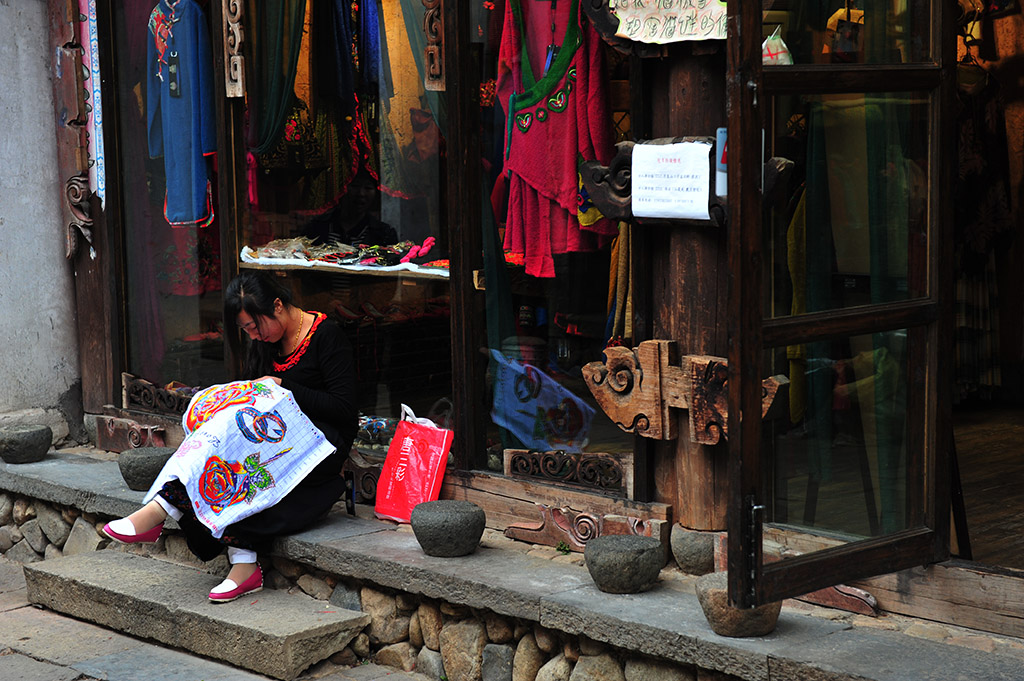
column 671, row 180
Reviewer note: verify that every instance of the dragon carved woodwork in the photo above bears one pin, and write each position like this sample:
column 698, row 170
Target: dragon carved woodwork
column 573, row 529
column 637, row 387
column 234, row 36
column 433, row 29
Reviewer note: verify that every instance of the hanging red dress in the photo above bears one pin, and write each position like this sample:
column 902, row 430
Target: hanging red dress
column 554, row 123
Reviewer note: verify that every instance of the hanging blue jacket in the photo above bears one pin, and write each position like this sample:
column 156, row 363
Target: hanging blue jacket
column 179, row 108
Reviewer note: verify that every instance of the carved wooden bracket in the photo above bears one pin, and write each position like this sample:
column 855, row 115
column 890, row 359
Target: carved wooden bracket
column 140, row 395
column 575, row 528
column 637, row 387
column 365, row 475
column 433, row 28
column 69, row 95
column 117, row 434
column 234, row 36
column 76, row 196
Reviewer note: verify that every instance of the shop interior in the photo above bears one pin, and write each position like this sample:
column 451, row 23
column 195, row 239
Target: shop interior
column 345, row 154
column 343, row 196
column 988, row 412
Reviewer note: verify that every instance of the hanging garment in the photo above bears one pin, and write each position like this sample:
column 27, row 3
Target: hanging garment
column 179, row 109
column 555, row 121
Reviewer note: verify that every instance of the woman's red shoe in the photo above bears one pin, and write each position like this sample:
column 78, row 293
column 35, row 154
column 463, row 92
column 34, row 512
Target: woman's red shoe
column 232, row 591
column 150, row 535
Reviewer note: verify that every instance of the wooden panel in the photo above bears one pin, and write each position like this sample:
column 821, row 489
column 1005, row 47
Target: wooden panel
column 507, row 501
column 97, row 284
column 63, row 15
column 463, row 238
column 955, row 592
column 743, row 77
column 810, row 572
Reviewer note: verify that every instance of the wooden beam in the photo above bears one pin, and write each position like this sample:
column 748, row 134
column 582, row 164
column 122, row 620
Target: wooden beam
column 507, row 501
column 955, row 592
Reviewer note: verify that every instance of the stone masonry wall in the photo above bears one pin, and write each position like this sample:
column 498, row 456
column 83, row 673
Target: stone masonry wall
column 442, row 641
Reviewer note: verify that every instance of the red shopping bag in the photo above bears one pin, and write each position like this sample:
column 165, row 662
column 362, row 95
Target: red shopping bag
column 412, row 470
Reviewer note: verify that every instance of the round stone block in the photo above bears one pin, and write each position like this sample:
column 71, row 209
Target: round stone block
column 24, row 444
column 448, row 527
column 140, row 466
column 624, row 564
column 693, row 550
column 725, row 620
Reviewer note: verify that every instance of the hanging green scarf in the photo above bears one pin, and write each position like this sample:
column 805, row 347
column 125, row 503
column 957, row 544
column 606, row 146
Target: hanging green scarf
column 275, row 35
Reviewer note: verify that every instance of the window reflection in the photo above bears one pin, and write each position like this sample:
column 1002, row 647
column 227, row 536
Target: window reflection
column 850, row 221
column 850, row 31
column 840, row 449
column 346, row 191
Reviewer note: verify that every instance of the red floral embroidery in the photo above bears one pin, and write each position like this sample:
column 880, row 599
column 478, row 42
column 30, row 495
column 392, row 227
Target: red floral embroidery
column 296, row 355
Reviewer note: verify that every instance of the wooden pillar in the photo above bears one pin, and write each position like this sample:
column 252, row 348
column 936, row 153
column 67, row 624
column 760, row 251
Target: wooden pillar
column 690, row 282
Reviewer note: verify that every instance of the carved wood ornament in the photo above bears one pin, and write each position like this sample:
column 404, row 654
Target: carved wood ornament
column 234, row 36
column 575, row 528
column 139, row 394
column 433, row 29
column 637, row 387
column 69, row 94
column 76, row 205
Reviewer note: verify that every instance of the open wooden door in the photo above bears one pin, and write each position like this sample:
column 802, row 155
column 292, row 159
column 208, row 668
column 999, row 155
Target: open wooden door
column 839, row 278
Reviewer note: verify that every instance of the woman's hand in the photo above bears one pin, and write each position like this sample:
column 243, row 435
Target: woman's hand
column 264, row 379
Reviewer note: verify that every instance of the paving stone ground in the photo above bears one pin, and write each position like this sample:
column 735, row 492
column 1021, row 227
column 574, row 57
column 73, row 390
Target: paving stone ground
column 40, row 645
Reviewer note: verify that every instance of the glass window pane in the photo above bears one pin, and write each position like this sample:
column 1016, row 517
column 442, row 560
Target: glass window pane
column 167, row 175
column 556, row 272
column 346, row 191
column 851, row 31
column 839, row 443
column 849, row 225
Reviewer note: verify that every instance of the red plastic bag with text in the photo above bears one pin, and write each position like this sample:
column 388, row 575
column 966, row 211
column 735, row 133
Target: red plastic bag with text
column 413, row 469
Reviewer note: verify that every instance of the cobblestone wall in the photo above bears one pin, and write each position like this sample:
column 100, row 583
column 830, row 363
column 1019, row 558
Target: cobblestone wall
column 443, row 641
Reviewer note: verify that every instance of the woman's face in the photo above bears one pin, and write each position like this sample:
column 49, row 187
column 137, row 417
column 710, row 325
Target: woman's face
column 261, row 327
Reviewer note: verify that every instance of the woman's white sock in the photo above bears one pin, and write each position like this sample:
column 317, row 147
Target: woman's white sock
column 169, row 509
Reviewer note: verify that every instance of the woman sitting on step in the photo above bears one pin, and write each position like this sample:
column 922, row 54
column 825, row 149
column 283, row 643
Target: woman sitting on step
column 306, row 354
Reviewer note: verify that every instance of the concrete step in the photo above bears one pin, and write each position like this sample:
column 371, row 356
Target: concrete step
column 269, row 632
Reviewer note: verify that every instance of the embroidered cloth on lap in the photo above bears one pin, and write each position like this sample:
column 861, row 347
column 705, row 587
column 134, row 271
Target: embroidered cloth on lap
column 247, row 445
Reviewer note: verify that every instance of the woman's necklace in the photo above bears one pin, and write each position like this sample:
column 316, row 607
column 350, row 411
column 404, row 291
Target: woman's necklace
column 298, row 332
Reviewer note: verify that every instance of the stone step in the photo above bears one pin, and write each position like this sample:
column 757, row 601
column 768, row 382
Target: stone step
column 270, row 632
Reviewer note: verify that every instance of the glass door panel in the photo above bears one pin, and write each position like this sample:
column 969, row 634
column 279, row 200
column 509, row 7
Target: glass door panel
column 851, row 31
column 852, row 218
column 840, row 446
column 167, row 161
column 345, row 192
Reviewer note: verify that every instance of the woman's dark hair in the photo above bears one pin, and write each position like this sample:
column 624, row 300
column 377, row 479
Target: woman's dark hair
column 254, row 293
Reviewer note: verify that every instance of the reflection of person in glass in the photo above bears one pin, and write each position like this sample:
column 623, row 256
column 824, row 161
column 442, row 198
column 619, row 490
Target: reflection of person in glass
column 304, row 352
column 354, row 220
